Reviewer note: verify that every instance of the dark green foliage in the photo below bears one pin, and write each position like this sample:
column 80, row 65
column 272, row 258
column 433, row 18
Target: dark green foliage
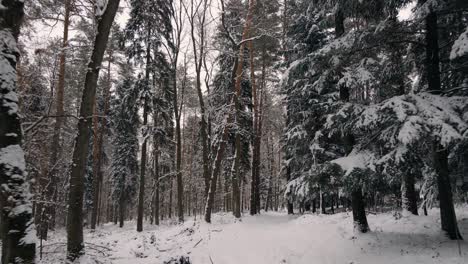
column 124, row 127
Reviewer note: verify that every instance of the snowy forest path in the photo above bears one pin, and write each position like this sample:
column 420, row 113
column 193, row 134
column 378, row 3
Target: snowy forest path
column 270, row 238
column 274, row 238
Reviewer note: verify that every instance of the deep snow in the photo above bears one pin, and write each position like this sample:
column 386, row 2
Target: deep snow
column 274, row 238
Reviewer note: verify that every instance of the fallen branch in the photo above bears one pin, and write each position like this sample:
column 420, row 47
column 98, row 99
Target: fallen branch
column 198, row 243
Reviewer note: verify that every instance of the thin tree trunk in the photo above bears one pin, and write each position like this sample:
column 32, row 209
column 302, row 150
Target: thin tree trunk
column 156, row 172
column 198, row 57
column 141, row 193
column 56, row 144
column 259, row 132
column 255, row 151
column 332, row 201
column 75, row 245
column 236, row 173
column 121, row 211
column 289, row 204
column 268, row 200
column 180, row 186
column 170, row 196
column 177, row 115
column 97, row 146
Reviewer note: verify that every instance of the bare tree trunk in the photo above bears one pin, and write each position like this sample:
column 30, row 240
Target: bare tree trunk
column 269, row 198
column 75, row 245
column 178, row 20
column 170, row 197
column 192, row 14
column 48, row 219
column 255, row 151
column 156, row 173
column 236, row 173
column 180, row 186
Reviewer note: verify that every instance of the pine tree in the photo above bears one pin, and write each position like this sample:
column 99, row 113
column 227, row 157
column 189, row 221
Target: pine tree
column 149, row 23
column 124, row 126
column 236, row 164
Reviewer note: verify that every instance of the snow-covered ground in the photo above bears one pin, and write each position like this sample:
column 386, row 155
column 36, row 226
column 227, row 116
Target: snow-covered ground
column 274, row 238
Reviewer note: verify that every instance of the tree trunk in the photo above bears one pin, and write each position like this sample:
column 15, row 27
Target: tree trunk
column 171, row 183
column 289, row 205
column 141, row 193
column 359, row 211
column 448, row 217
column 222, row 144
column 290, row 208
column 49, row 220
column 198, row 57
column 322, row 203
column 440, row 153
column 339, row 22
column 75, row 245
column 255, row 151
column 15, row 204
column 97, row 146
column 121, row 211
column 236, row 173
column 331, row 203
column 156, row 176
column 180, row 186
column 409, row 196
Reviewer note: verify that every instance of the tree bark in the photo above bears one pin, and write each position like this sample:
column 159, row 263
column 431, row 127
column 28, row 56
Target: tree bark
column 198, row 57
column 121, row 210
column 339, row 22
column 236, row 173
column 440, row 153
column 177, row 17
column 289, row 204
column 141, row 193
column 75, row 245
column 156, row 175
column 409, row 196
column 178, row 134
column 15, row 204
column 448, row 217
column 97, row 146
column 49, row 221
column 238, row 65
column 255, row 162
column 359, row 211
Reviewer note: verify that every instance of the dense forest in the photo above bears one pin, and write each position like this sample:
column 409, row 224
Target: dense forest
column 147, row 113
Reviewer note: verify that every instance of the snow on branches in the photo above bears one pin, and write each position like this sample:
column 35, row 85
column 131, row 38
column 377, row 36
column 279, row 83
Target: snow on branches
column 460, row 47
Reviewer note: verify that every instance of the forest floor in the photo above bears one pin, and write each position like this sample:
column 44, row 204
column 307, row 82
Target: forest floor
column 274, row 238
